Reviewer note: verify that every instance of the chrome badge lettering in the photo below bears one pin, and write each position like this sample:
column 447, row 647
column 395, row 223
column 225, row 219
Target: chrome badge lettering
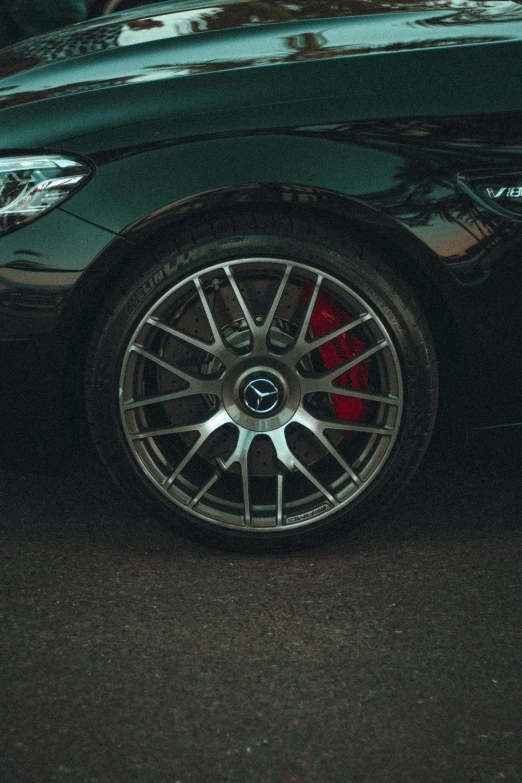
column 515, row 192
column 307, row 514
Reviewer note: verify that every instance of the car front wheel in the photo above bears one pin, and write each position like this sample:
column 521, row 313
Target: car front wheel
column 267, row 381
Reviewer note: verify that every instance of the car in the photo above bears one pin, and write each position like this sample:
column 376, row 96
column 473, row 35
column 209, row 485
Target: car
column 256, row 246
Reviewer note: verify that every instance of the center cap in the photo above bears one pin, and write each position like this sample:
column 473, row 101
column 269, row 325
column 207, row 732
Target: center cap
column 261, row 395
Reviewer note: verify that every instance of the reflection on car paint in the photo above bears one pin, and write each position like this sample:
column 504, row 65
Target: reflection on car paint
column 340, row 36
column 422, row 194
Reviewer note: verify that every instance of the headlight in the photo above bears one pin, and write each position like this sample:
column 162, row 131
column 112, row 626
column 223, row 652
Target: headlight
column 32, row 184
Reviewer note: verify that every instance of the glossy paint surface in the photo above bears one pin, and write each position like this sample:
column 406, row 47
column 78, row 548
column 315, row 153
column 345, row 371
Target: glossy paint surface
column 323, row 69
column 369, row 109
column 199, row 40
column 39, row 269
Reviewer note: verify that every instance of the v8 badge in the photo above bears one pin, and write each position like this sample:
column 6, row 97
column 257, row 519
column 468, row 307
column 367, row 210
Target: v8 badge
column 504, row 192
column 499, row 191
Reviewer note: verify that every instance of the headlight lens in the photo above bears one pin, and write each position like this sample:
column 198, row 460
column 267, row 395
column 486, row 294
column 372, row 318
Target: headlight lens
column 33, row 184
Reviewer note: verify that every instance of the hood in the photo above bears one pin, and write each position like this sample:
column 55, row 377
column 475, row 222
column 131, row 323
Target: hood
column 125, row 44
column 137, row 66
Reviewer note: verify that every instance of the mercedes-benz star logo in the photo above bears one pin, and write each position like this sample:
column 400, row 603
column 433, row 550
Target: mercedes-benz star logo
column 261, row 395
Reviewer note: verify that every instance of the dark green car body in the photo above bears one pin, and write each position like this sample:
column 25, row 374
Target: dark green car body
column 366, row 110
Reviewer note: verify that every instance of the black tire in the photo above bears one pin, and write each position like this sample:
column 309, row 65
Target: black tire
column 215, row 397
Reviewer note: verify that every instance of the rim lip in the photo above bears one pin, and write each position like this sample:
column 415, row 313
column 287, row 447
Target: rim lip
column 305, row 518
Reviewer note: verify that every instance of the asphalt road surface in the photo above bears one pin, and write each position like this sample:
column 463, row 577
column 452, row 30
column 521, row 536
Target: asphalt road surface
column 130, row 655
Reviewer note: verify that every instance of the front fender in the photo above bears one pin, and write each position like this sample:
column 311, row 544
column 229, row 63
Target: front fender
column 138, row 182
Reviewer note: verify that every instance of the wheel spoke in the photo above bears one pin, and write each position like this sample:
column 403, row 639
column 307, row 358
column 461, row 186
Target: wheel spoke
column 318, row 431
column 171, row 430
column 254, row 329
column 305, row 347
column 168, row 481
column 282, row 450
column 242, row 446
column 346, row 391
column 246, row 491
column 158, row 398
column 240, row 455
column 215, row 350
column 277, row 299
column 320, row 425
column 204, row 489
column 292, row 462
column 315, row 481
column 259, row 332
column 204, row 430
column 279, row 501
column 197, row 384
column 220, row 347
column 338, row 457
column 301, row 344
column 335, row 372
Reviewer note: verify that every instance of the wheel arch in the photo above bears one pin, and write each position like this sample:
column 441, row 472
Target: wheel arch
column 414, row 260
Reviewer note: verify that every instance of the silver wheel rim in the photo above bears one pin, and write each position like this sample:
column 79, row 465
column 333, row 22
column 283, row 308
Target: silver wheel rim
column 231, row 410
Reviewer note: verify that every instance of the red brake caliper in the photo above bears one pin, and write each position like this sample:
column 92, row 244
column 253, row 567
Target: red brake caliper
column 325, row 318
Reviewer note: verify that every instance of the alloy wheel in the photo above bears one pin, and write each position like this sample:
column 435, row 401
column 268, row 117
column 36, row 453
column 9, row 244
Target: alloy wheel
column 261, row 394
